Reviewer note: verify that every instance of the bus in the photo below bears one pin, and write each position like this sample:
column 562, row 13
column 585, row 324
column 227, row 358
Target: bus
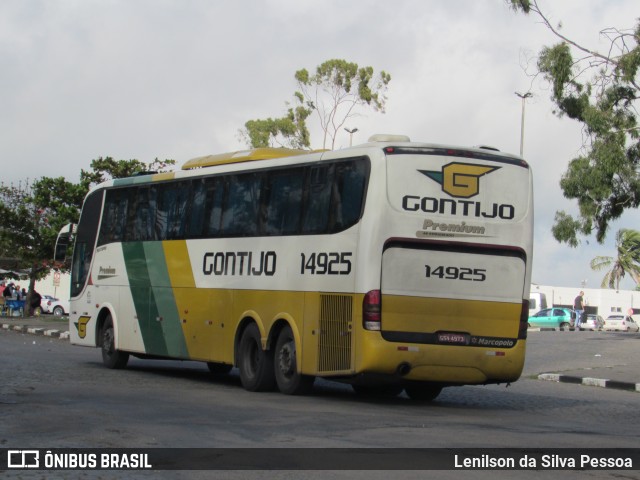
column 391, row 265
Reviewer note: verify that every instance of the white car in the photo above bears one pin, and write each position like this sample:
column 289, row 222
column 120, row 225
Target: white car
column 53, row 305
column 622, row 323
column 592, row 322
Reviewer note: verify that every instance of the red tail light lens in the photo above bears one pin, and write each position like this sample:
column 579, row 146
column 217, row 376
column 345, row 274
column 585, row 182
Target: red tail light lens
column 371, row 310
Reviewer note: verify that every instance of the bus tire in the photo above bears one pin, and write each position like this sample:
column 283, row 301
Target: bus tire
column 289, row 381
column 254, row 363
column 423, row 392
column 111, row 357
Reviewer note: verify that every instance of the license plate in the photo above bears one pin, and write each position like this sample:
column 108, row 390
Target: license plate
column 453, row 338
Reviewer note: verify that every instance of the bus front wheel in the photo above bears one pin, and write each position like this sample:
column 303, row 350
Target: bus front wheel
column 254, row 363
column 289, row 380
column 111, row 357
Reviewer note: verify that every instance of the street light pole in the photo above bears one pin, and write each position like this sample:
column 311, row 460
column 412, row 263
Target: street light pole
column 351, row 132
column 523, row 96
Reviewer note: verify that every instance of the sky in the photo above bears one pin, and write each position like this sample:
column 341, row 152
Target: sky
column 177, row 79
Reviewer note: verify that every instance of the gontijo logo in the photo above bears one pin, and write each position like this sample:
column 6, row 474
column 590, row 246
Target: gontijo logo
column 81, row 326
column 460, row 180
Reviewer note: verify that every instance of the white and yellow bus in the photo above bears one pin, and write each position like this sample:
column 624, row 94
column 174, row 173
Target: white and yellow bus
column 390, row 265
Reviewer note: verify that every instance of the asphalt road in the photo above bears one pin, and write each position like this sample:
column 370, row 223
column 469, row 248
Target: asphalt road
column 55, row 395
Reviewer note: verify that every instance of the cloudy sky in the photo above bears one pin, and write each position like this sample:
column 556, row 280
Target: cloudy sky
column 177, row 79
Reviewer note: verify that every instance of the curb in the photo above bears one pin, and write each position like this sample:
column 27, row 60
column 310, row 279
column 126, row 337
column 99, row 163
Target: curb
column 591, row 382
column 549, row 329
column 64, row 335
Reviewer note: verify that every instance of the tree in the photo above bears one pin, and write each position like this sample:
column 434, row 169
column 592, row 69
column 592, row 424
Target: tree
column 599, row 90
column 32, row 214
column 28, row 229
column 107, row 168
column 289, row 131
column 626, row 261
column 334, row 93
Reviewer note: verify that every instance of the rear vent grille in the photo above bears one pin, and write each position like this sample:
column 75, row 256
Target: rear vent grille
column 335, row 333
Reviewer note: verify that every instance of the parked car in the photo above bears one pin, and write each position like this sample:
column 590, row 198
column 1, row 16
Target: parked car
column 553, row 318
column 622, row 323
column 592, row 322
column 44, row 303
column 53, row 305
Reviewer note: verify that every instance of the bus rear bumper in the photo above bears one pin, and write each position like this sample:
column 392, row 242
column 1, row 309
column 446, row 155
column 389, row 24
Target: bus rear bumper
column 447, row 364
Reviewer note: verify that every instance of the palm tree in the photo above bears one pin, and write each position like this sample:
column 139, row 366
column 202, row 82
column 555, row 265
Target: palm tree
column 627, row 260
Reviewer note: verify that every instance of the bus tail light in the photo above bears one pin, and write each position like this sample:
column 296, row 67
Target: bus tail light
column 371, row 310
column 524, row 320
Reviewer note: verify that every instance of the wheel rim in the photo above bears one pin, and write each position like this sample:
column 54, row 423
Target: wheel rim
column 253, row 359
column 108, row 343
column 287, row 359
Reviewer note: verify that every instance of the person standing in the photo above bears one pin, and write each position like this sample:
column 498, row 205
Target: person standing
column 578, row 306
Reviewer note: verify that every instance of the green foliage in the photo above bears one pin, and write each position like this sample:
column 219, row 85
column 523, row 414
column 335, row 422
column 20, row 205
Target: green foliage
column 564, row 229
column 32, row 214
column 626, row 261
column 556, row 64
column 523, row 5
column 336, row 90
column 600, row 91
column 289, row 131
column 333, row 92
column 107, row 168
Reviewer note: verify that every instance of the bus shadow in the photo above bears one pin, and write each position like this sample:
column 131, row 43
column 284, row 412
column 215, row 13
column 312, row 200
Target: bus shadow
column 488, row 398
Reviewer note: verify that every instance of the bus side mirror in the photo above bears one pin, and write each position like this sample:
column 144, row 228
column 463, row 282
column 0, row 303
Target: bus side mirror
column 63, row 241
column 61, row 251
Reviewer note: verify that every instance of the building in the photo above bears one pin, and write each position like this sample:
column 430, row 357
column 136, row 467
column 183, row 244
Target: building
column 601, row 301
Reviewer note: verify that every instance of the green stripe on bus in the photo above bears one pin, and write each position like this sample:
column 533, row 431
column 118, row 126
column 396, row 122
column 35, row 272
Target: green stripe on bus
column 154, row 303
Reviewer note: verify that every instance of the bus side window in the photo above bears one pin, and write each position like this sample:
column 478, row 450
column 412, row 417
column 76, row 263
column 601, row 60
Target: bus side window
column 198, row 197
column 349, row 189
column 114, row 217
column 240, row 215
column 283, row 198
column 140, row 224
column 318, row 199
column 172, row 209
column 213, row 207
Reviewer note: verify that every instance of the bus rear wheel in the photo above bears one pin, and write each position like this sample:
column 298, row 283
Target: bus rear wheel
column 288, row 379
column 254, row 363
column 423, row 392
column 111, row 357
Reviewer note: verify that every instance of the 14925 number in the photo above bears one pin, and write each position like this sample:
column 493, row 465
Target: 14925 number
column 457, row 273
column 326, row 263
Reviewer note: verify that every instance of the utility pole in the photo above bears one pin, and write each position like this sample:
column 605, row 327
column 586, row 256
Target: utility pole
column 524, row 97
column 351, row 132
